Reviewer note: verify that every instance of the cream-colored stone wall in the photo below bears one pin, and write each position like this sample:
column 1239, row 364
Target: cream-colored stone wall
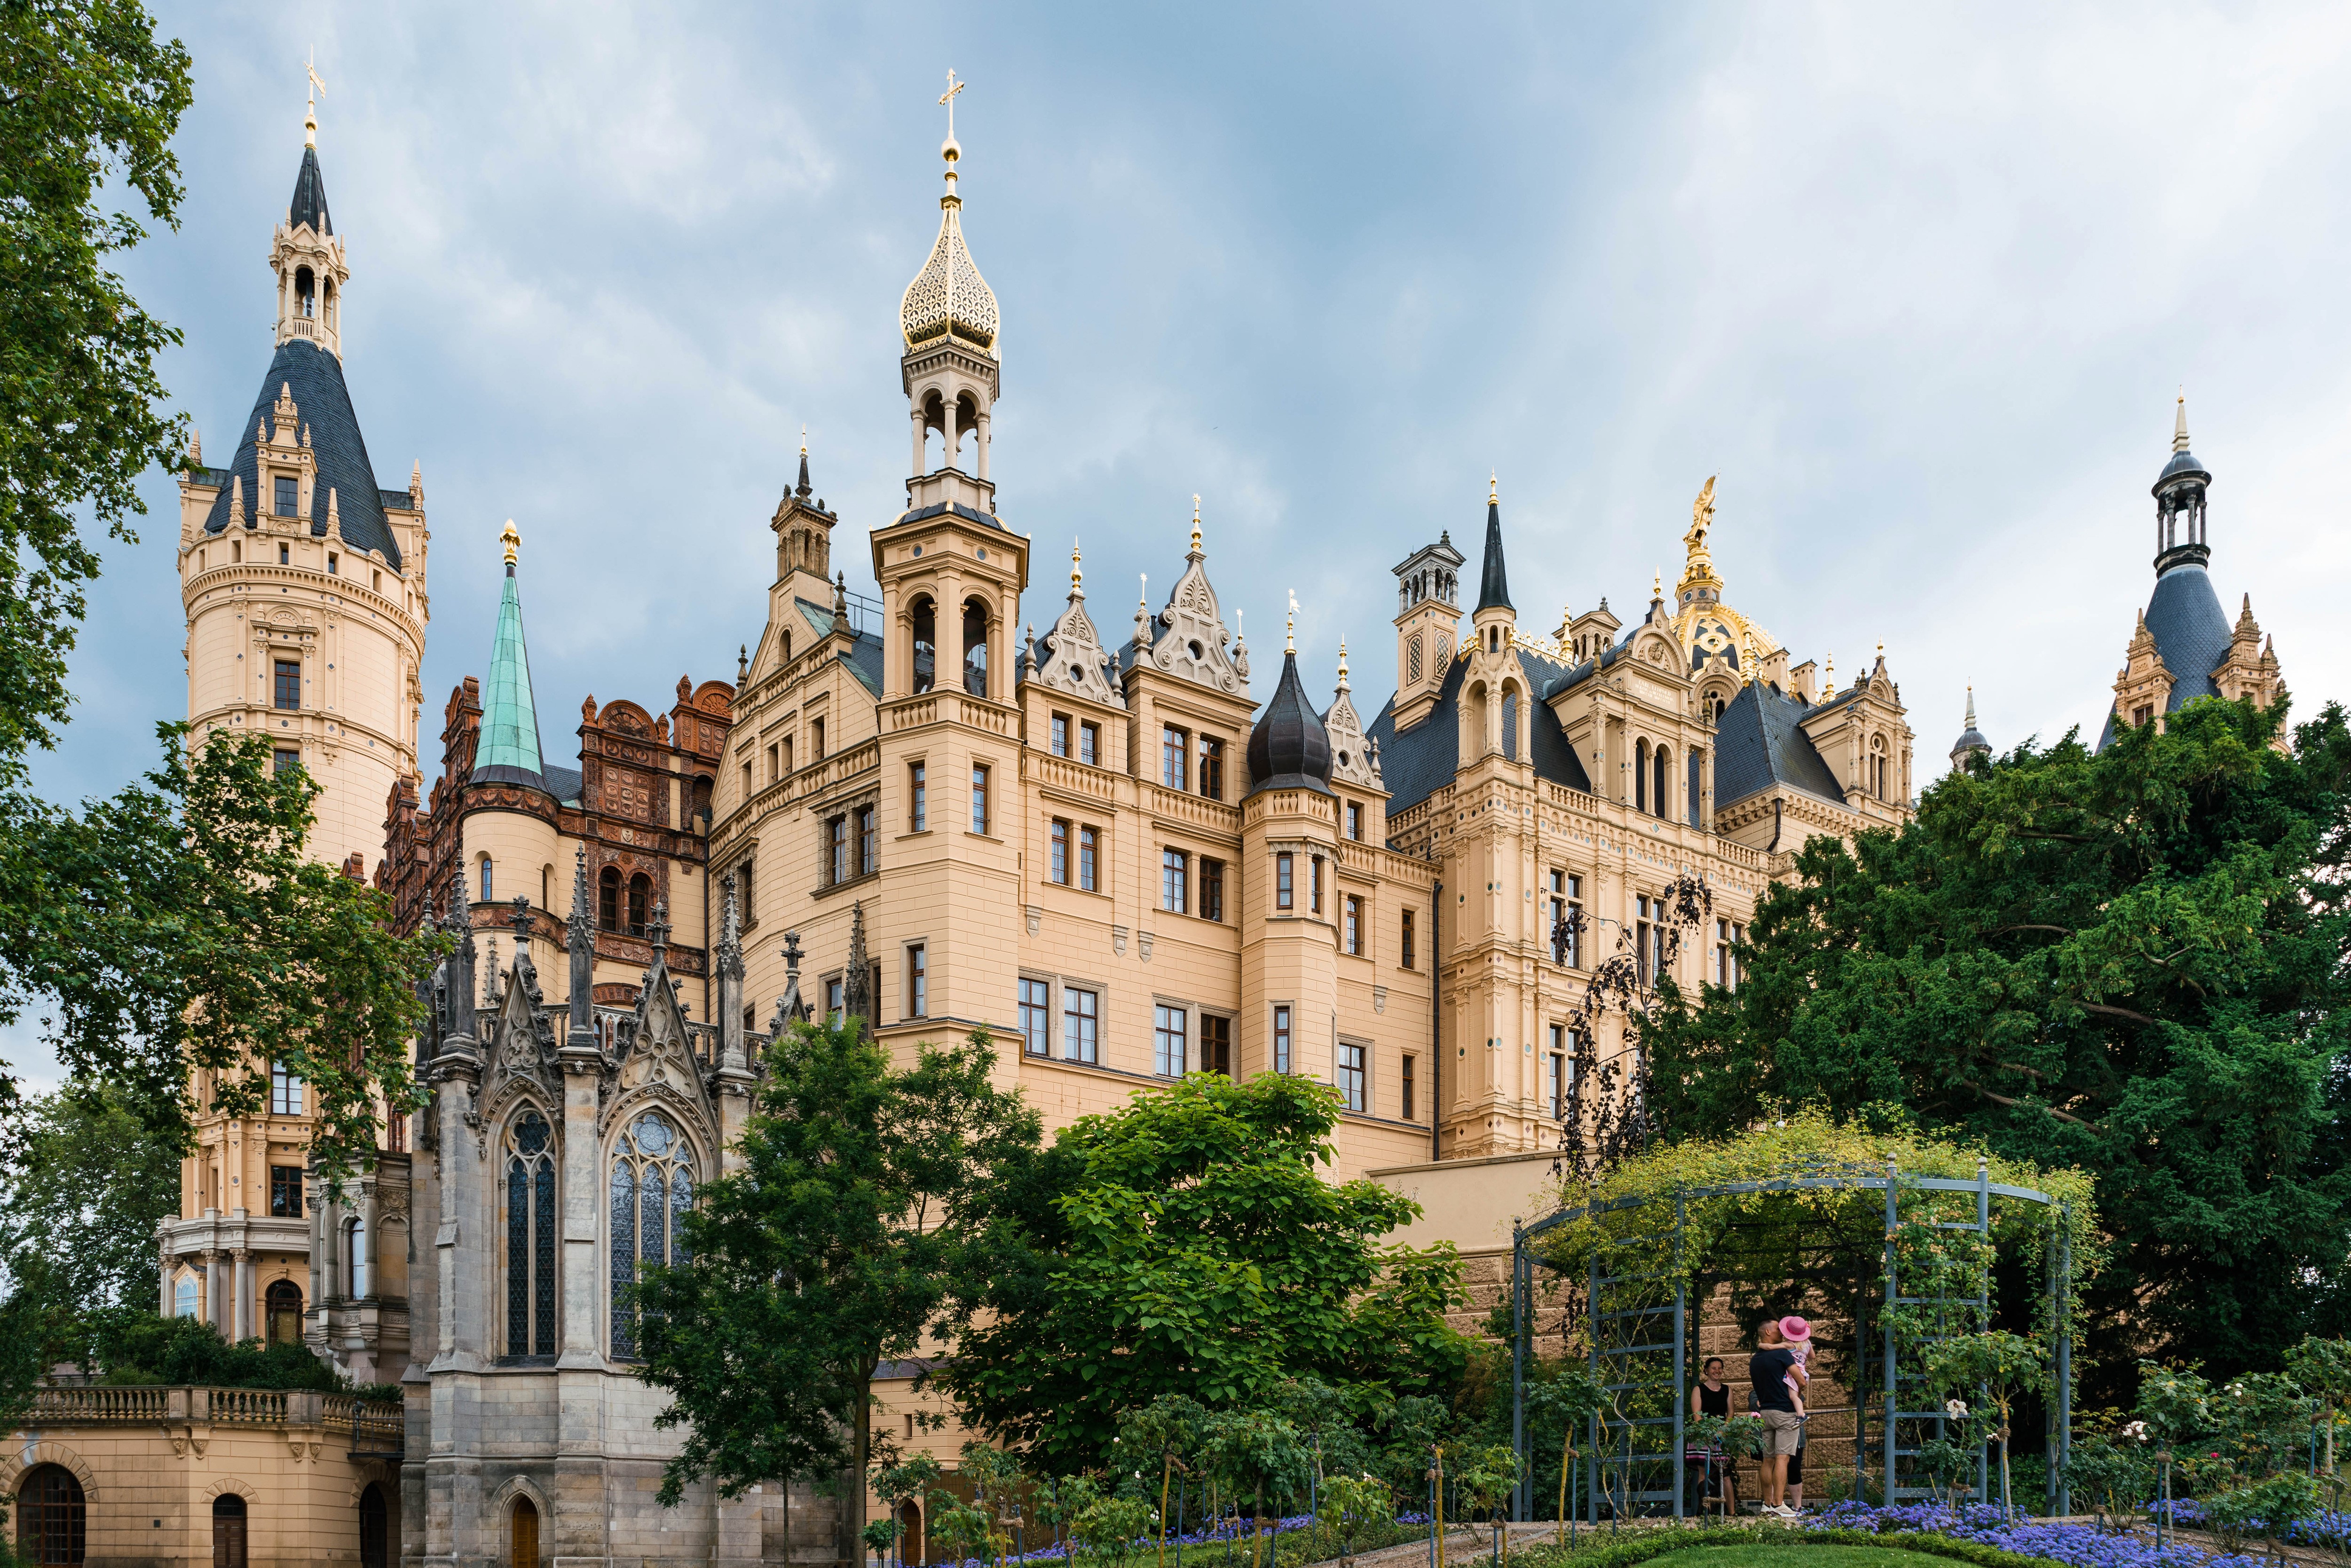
column 149, row 1485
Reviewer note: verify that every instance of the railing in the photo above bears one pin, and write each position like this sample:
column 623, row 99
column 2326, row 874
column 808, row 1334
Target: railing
column 1079, row 778
column 375, row 1425
column 1197, row 809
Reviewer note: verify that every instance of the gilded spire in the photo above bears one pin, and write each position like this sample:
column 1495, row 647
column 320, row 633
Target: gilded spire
column 948, row 297
column 1076, row 575
column 1493, row 487
column 513, row 541
column 1697, row 569
column 1289, row 629
column 1195, row 524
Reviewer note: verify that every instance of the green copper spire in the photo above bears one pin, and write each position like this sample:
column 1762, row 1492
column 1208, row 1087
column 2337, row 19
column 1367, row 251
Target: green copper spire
column 509, row 740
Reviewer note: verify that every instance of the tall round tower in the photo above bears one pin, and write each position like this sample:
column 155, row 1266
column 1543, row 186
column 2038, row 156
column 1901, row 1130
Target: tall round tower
column 303, row 582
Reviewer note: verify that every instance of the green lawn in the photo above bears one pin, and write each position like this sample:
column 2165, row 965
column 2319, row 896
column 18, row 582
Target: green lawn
column 1796, row 1557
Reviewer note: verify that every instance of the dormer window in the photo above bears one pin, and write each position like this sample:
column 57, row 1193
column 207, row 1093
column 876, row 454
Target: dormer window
column 288, row 495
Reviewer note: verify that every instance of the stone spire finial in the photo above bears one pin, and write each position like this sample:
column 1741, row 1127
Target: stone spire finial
column 580, row 941
column 1290, row 628
column 1343, row 664
column 657, row 930
column 1077, row 574
column 802, row 489
column 1196, row 528
column 2179, row 423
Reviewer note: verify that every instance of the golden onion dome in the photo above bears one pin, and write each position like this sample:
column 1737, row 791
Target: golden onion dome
column 948, row 297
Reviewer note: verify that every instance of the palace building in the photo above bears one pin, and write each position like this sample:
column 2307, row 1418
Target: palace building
column 1101, row 844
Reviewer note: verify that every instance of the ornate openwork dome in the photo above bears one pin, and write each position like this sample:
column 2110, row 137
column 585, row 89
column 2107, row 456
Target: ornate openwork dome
column 948, row 296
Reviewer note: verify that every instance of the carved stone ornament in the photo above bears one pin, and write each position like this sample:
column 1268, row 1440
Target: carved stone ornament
column 1071, row 657
column 1189, row 635
column 1353, row 761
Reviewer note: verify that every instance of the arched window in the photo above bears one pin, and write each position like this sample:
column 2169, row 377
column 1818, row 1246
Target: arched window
column 1660, row 772
column 1640, row 776
column 228, row 1530
column 375, row 1528
column 52, row 1520
column 487, row 896
column 926, row 619
column 530, row 1236
column 608, row 898
column 305, row 290
column 641, row 902
column 282, row 1313
column 183, row 1297
column 1510, row 726
column 355, row 1259
column 974, row 647
column 652, row 1188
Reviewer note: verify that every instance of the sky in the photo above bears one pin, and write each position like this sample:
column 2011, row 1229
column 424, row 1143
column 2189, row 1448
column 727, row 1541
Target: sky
column 1919, row 284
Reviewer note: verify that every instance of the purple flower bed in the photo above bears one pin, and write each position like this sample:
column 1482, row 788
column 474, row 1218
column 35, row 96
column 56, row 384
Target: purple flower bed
column 2080, row 1545
column 2325, row 1528
column 1238, row 1531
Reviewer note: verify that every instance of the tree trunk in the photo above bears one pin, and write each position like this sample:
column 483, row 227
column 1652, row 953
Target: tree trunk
column 863, row 1451
column 1166, row 1468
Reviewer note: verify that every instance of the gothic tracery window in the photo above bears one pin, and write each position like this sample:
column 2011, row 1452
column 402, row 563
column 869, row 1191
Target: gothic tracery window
column 650, row 1189
column 530, row 1236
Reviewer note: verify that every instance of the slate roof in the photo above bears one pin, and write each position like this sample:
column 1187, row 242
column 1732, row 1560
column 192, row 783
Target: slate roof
column 1493, row 579
column 1288, row 746
column 563, row 783
column 309, row 202
column 1418, row 762
column 864, row 655
column 1760, row 743
column 324, row 407
column 2191, row 634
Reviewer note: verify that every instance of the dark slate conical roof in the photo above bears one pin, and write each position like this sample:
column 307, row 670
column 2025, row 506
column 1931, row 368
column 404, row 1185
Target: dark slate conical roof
column 1289, row 749
column 1493, row 581
column 309, row 202
column 316, row 379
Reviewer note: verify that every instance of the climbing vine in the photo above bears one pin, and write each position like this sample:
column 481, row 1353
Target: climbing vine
column 1606, row 1122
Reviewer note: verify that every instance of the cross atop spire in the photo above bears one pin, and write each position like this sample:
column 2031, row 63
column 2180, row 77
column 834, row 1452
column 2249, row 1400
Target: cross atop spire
column 948, row 98
column 310, row 115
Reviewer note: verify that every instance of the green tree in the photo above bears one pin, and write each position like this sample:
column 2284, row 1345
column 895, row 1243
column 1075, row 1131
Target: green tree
column 1352, row 1505
column 2004, row 1366
column 89, row 96
column 1187, row 1244
column 85, row 1185
column 2321, row 1367
column 2129, row 961
column 843, row 1238
column 1256, row 1454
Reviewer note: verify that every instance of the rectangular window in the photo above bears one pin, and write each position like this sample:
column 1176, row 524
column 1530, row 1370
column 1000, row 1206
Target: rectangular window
column 836, row 862
column 816, row 740
column 835, row 1000
column 1410, row 957
column 1167, row 1041
column 1060, row 851
column 1728, row 936
column 1212, row 889
column 1216, row 1044
column 1566, row 907
column 285, row 1091
column 1408, row 1081
column 1316, row 908
column 334, row 565
column 742, row 883
column 289, row 494
column 1355, row 821
column 918, row 811
column 1555, row 1086
column 869, row 842
column 1060, row 735
column 1174, row 882
column 1087, row 840
column 775, row 763
column 1283, row 898
column 1172, row 768
column 1081, row 1018
column 1281, row 1038
column 284, row 759
column 289, row 684
column 1354, row 1078
column 286, row 1192
column 1641, row 941
column 918, row 984
column 1089, row 743
column 787, row 757
column 1351, row 930
column 1212, row 768
column 284, row 555
column 1036, row 1018
column 980, row 798
column 746, row 780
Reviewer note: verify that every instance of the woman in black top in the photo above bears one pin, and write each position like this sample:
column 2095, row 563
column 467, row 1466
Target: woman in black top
column 1711, row 1397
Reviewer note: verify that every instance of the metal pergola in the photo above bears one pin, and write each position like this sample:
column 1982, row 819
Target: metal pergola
column 1638, row 1336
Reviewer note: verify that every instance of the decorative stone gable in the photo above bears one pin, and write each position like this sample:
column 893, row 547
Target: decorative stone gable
column 1072, row 658
column 1354, row 759
column 521, row 1046
column 1187, row 638
column 660, row 1063
column 2143, row 687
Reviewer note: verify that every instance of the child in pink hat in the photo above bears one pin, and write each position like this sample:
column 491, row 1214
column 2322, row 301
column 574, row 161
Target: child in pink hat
column 1799, row 1336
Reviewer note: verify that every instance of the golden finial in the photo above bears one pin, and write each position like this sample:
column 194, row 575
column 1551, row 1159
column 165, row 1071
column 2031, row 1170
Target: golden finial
column 1195, row 524
column 1657, row 583
column 1342, row 661
column 1289, row 631
column 1828, row 674
column 512, row 539
column 310, row 115
column 1076, row 577
column 1493, row 487
column 803, row 440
